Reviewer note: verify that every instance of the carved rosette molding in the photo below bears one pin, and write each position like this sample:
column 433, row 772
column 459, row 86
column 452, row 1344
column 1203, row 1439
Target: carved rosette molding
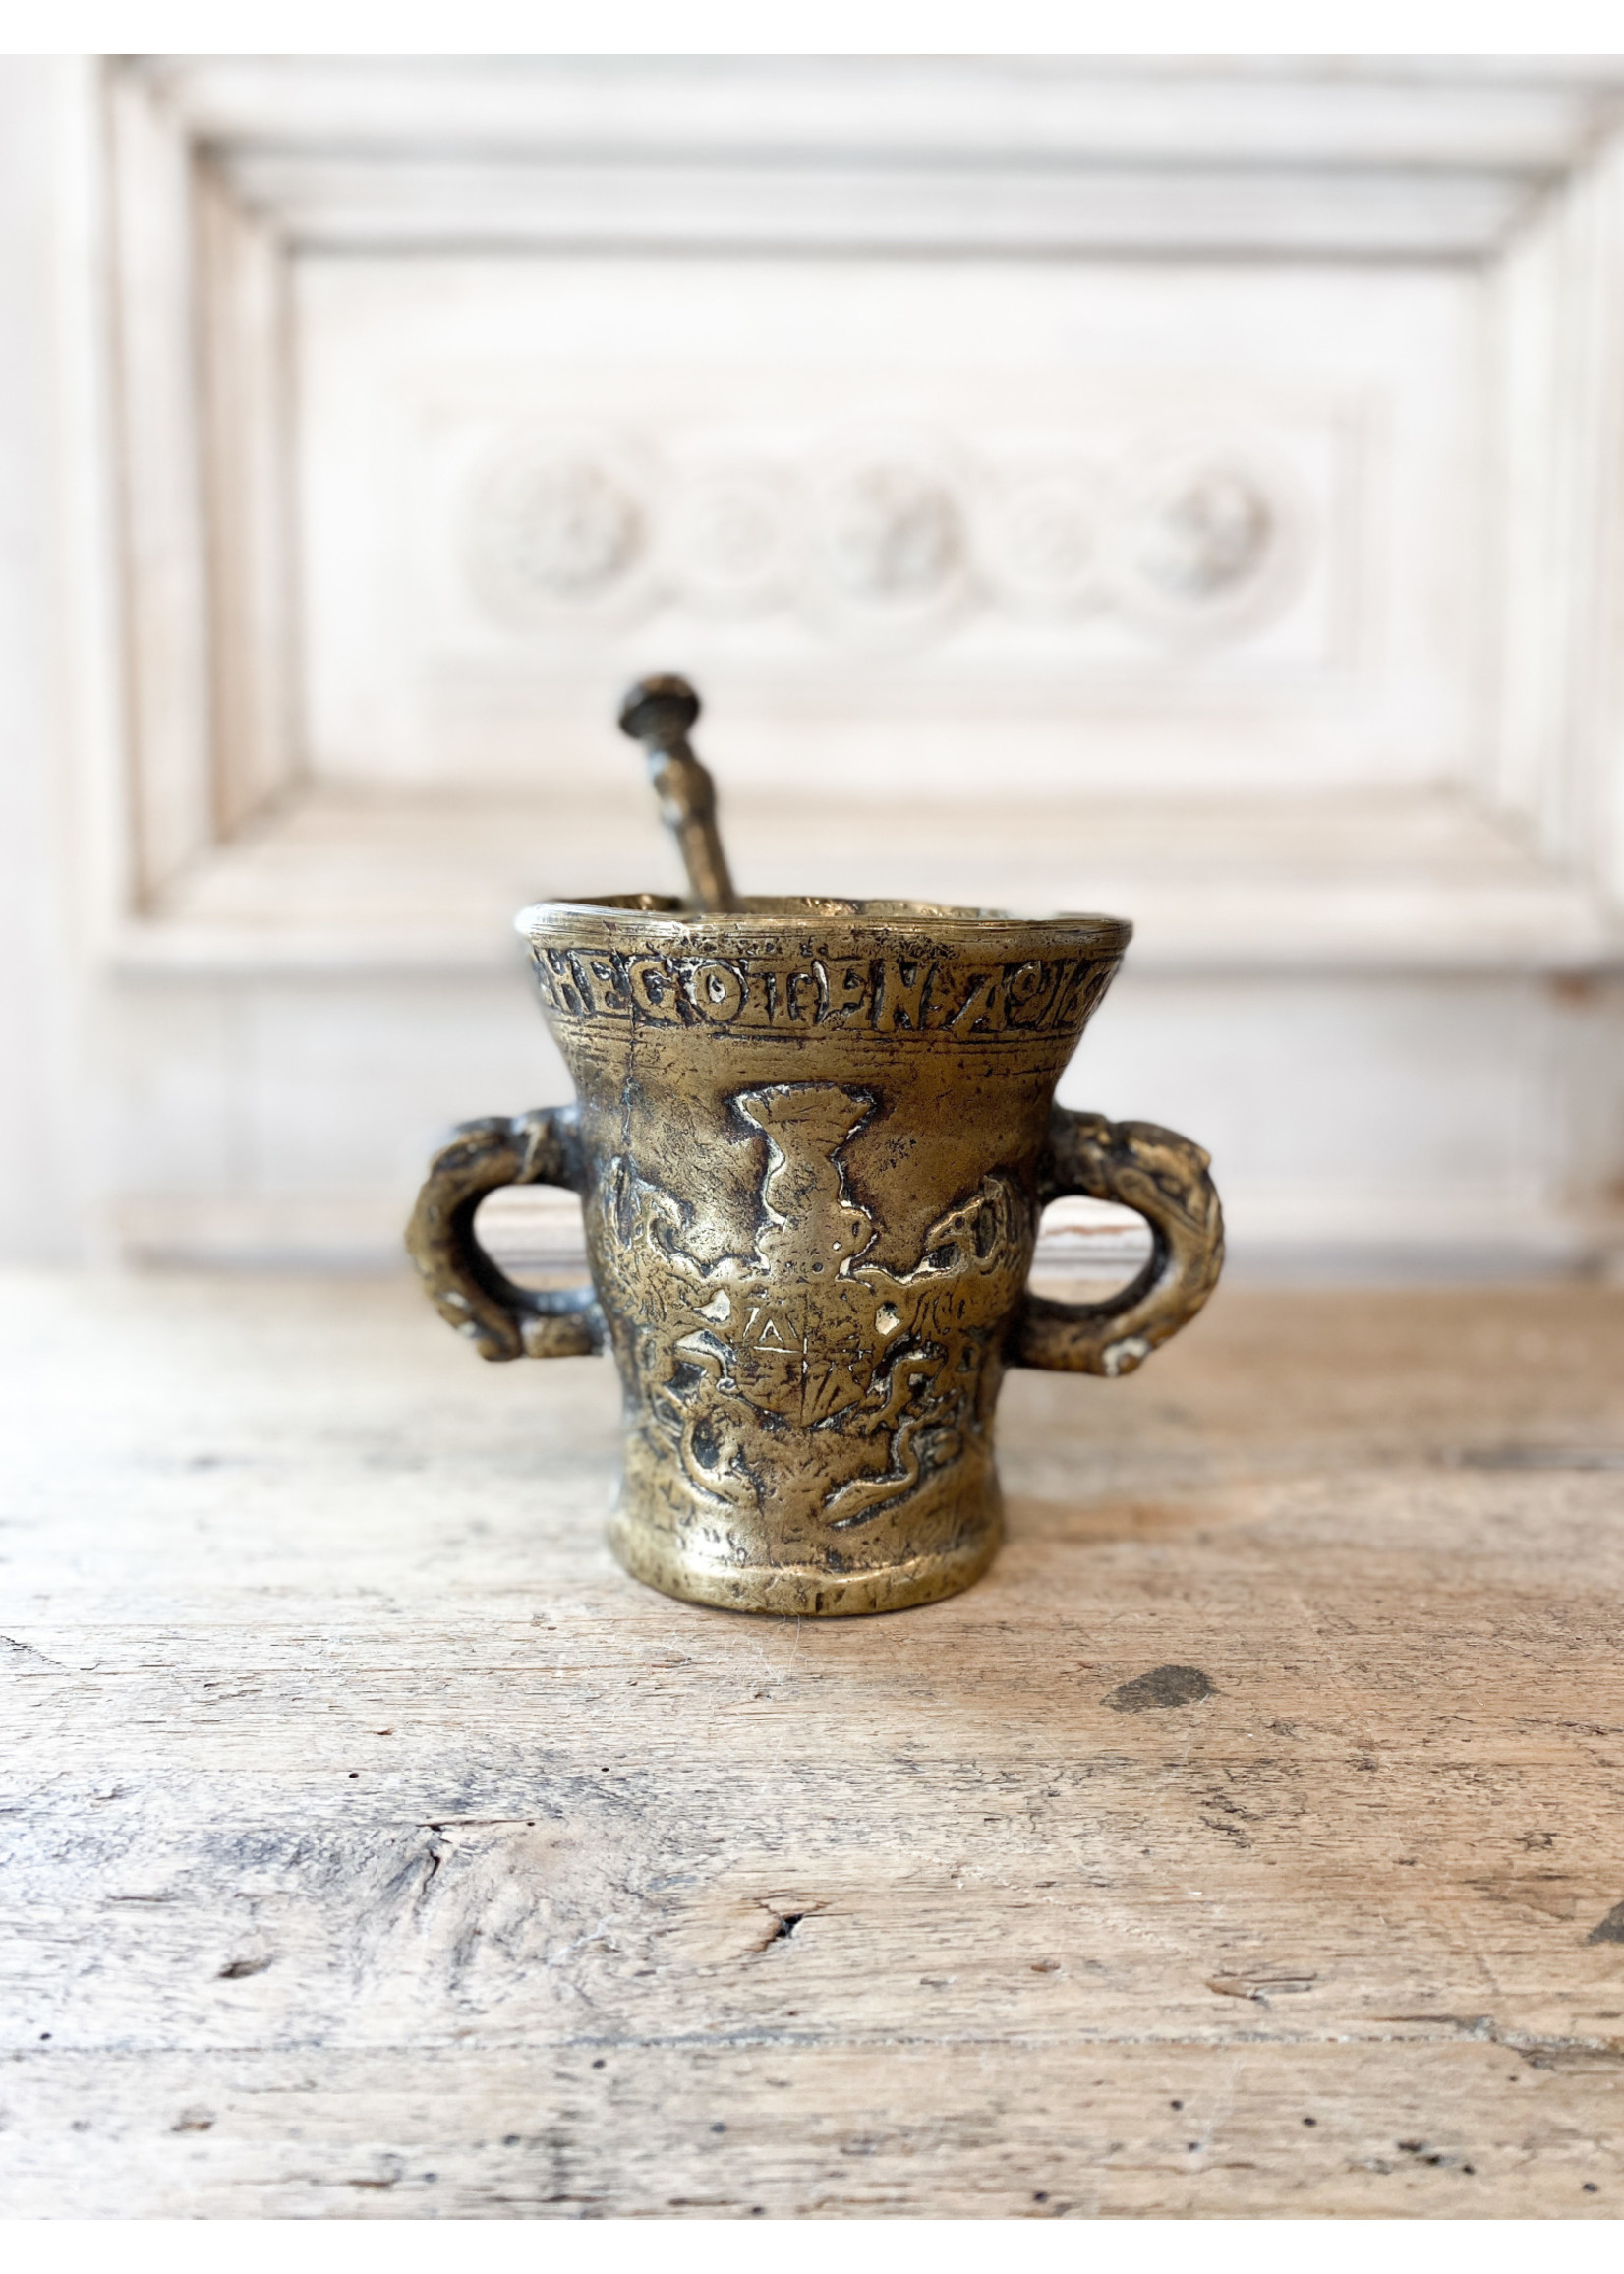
column 558, row 523
column 1208, row 542
column 1043, row 535
column 887, row 536
column 730, row 533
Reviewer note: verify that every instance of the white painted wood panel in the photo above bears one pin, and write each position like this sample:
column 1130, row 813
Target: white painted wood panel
column 750, row 434
column 1193, row 490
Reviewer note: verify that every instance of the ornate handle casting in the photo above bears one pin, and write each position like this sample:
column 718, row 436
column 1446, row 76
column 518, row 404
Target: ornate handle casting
column 1164, row 1179
column 467, row 1288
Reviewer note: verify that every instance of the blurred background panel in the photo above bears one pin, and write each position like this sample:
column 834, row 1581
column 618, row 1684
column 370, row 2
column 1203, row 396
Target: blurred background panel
column 1191, row 488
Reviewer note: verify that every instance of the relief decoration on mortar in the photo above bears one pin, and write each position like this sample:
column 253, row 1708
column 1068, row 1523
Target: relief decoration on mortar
column 802, row 1355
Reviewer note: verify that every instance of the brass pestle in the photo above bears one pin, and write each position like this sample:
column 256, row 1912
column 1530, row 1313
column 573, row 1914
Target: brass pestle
column 658, row 712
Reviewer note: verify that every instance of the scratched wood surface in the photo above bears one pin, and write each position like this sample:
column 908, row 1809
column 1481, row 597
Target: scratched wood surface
column 372, row 1848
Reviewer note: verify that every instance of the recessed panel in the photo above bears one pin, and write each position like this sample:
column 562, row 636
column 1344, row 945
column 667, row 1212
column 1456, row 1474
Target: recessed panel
column 903, row 519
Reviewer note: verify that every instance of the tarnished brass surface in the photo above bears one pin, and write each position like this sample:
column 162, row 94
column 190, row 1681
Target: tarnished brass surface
column 812, row 1142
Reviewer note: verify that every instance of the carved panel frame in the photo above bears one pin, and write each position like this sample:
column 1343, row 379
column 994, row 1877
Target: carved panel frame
column 211, row 178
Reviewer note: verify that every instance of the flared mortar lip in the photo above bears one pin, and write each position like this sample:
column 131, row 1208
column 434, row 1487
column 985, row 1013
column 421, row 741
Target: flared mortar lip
column 675, row 921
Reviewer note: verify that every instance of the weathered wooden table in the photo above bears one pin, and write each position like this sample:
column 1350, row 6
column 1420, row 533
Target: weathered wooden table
column 374, row 1849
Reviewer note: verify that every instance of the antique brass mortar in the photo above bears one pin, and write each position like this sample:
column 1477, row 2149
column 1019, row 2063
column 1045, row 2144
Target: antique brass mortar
column 812, row 1142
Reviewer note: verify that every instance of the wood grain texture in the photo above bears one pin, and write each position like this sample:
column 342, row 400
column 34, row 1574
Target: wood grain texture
column 373, row 1849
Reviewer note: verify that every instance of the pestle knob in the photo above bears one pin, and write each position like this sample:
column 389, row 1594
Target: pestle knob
column 658, row 712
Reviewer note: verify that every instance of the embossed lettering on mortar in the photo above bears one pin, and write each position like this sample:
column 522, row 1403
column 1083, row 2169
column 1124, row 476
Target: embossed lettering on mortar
column 886, row 994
